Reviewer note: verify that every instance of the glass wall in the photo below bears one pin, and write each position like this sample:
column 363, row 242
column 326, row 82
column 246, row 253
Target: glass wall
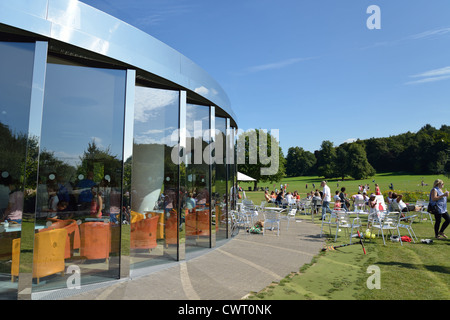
column 70, row 183
column 154, row 178
column 16, row 68
column 221, row 203
column 197, row 176
column 232, row 167
column 79, row 194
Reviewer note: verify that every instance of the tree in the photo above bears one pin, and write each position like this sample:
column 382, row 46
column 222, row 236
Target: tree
column 299, row 162
column 101, row 163
column 255, row 161
column 359, row 166
column 342, row 161
column 326, row 160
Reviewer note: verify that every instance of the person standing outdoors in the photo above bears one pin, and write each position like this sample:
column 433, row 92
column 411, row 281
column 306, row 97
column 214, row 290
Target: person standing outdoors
column 439, row 197
column 326, row 198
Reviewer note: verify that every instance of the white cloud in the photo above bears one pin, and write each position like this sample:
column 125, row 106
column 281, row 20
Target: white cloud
column 433, row 73
column 430, row 33
column 201, row 90
column 431, row 76
column 276, row 65
column 350, row 140
column 149, row 100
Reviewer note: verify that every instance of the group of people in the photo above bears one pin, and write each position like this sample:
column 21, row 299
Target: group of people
column 438, row 198
column 280, row 196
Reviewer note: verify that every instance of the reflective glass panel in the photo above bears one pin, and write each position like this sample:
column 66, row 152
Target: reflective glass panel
column 154, row 178
column 197, row 178
column 80, row 177
column 232, row 168
column 220, row 194
column 16, row 68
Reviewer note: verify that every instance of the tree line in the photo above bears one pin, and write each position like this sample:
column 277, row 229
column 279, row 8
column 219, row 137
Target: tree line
column 424, row 152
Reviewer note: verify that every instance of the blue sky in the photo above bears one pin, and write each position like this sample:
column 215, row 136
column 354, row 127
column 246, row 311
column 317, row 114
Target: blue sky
column 310, row 68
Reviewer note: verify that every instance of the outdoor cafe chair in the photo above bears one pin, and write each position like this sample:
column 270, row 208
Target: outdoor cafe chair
column 406, row 223
column 48, row 254
column 271, row 218
column 244, row 220
column 359, row 206
column 344, row 221
column 329, row 219
column 290, row 215
column 261, row 207
column 423, row 211
column 305, row 206
column 386, row 222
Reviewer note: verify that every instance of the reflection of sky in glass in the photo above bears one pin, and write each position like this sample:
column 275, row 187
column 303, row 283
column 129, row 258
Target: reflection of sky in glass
column 82, row 105
column 155, row 116
column 197, row 113
column 16, row 66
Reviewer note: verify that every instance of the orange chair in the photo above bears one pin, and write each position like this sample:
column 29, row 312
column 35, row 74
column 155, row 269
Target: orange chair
column 203, row 224
column 143, row 233
column 136, row 216
column 15, row 258
column 160, row 229
column 190, row 219
column 48, row 254
column 95, row 240
column 171, row 229
column 73, row 234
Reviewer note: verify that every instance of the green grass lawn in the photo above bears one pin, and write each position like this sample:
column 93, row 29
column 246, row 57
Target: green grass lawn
column 414, row 271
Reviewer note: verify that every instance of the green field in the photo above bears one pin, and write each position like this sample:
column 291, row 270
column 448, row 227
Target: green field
column 401, row 183
column 414, row 271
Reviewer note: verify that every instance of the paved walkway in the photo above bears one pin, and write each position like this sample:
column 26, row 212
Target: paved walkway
column 247, row 263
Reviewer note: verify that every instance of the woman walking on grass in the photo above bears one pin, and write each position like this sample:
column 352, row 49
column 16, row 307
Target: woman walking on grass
column 439, row 197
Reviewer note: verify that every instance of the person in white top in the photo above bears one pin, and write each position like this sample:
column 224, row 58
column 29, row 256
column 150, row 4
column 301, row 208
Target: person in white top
column 326, row 198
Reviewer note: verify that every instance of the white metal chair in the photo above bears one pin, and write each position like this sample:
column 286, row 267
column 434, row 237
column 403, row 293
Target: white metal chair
column 345, row 222
column 305, row 205
column 408, row 221
column 244, row 220
column 360, row 205
column 386, row 222
column 329, row 219
column 342, row 221
column 424, row 210
column 290, row 215
column 271, row 218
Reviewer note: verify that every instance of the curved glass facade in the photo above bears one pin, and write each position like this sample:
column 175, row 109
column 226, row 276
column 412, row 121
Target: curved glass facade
column 106, row 168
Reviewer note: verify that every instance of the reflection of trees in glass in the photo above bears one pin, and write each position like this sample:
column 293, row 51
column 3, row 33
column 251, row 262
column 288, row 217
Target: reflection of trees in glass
column 100, row 162
column 13, row 146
